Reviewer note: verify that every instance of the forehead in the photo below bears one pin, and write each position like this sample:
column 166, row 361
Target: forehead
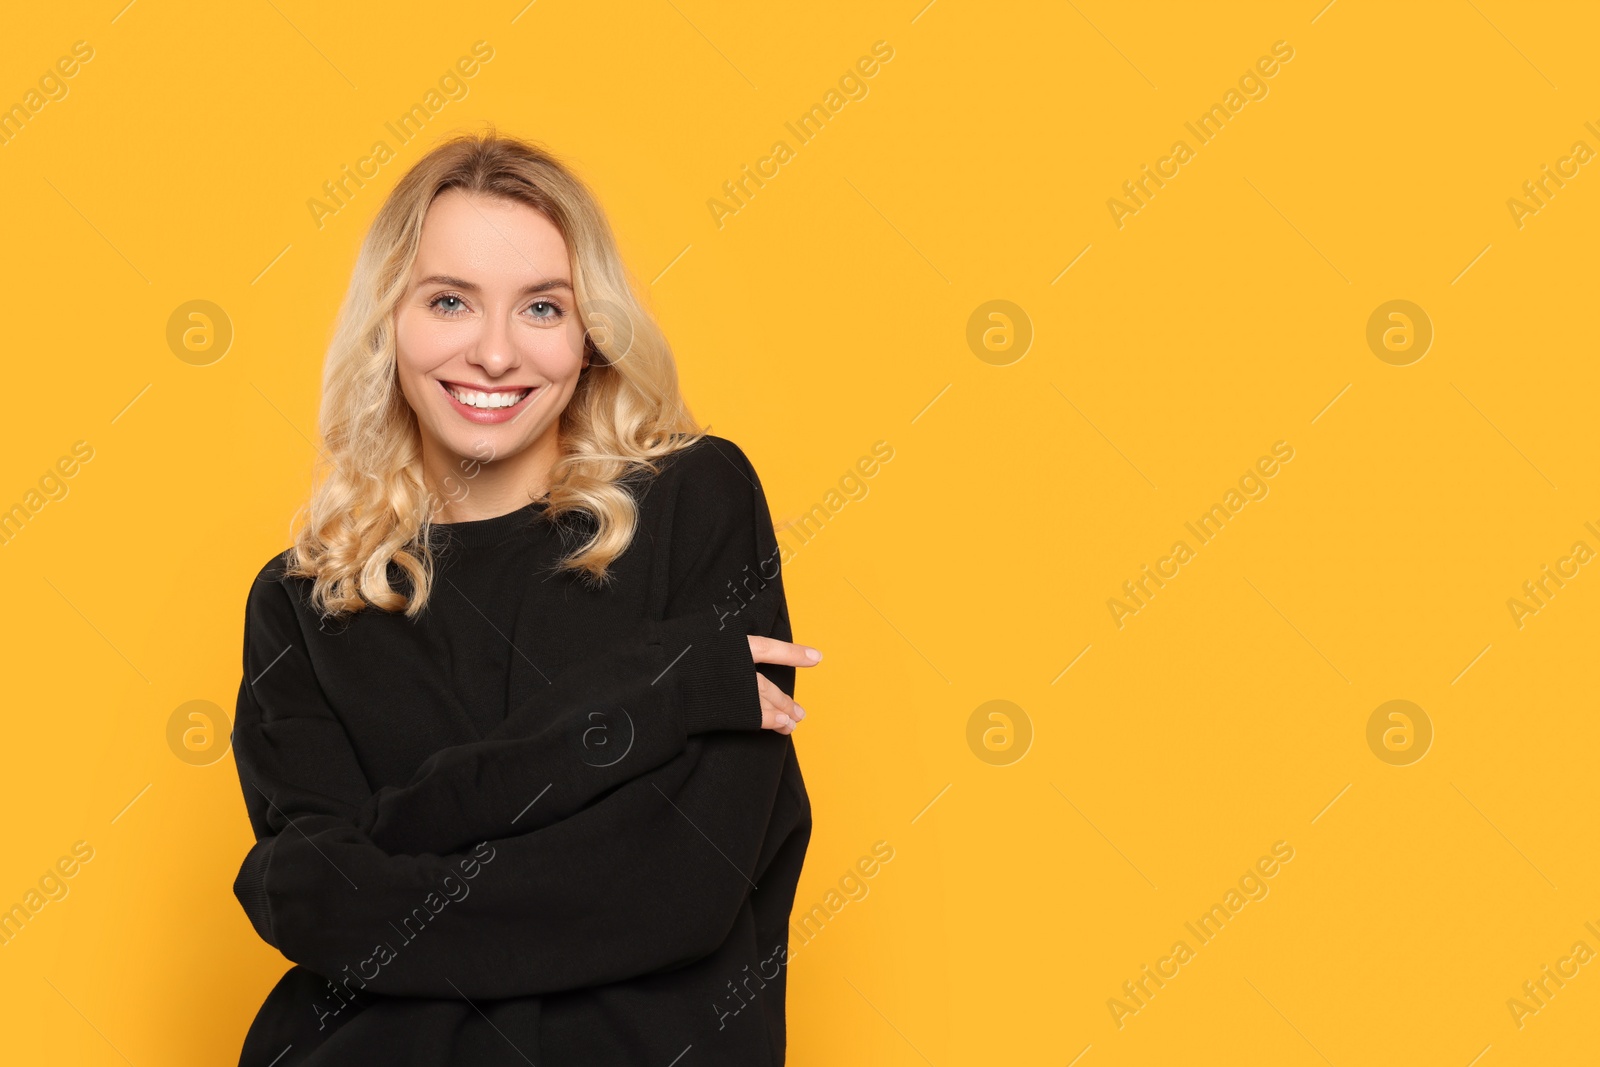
column 490, row 241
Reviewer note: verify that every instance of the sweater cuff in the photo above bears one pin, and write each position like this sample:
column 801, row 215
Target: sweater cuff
column 716, row 676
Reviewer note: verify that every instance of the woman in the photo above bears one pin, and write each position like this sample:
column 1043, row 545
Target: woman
column 521, row 792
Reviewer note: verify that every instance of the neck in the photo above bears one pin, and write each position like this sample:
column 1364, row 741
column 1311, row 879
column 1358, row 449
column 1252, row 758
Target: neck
column 470, row 487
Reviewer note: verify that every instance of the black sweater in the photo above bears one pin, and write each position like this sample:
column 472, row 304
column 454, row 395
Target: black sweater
column 540, row 823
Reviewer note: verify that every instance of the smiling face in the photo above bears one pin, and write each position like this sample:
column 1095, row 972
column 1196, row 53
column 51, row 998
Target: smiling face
column 489, row 347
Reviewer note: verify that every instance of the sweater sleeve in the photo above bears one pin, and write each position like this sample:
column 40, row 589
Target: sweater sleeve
column 579, row 891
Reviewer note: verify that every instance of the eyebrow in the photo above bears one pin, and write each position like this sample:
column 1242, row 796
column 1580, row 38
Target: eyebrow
column 462, row 283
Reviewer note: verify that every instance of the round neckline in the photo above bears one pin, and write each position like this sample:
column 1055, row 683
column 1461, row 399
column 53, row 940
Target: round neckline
column 493, row 529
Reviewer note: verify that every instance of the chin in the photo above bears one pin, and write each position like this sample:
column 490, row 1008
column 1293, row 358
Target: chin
column 485, row 443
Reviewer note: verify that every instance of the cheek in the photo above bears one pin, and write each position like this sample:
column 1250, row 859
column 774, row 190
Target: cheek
column 420, row 345
column 558, row 352
column 411, row 362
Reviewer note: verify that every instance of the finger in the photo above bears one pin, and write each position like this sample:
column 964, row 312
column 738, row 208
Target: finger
column 772, row 650
column 778, row 710
column 778, row 721
column 776, row 699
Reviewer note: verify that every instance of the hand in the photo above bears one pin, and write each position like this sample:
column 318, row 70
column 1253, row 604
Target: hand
column 778, row 710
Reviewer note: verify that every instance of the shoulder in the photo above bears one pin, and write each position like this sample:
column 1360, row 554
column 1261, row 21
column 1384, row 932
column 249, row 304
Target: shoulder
column 711, row 462
column 273, row 593
column 269, row 578
column 707, row 511
column 707, row 484
column 713, row 526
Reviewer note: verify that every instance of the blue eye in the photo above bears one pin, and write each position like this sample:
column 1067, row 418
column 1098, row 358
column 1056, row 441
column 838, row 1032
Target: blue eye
column 450, row 305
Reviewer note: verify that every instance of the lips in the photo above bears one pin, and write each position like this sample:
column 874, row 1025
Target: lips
column 488, row 404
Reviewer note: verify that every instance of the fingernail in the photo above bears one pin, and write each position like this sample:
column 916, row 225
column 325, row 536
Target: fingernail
column 814, row 655
column 783, row 720
column 799, row 712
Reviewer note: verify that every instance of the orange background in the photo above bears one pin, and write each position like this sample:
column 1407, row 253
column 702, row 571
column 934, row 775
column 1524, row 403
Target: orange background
column 1140, row 771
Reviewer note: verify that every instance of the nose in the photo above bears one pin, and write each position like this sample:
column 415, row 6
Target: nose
column 495, row 350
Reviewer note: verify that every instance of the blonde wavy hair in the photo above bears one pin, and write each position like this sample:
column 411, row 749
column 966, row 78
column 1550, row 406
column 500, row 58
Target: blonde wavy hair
column 370, row 505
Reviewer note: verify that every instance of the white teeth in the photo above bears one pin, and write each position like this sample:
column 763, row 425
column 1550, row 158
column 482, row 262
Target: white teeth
column 474, row 399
